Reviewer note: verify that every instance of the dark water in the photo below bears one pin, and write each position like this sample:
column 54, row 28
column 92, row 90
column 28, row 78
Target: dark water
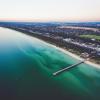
column 26, row 67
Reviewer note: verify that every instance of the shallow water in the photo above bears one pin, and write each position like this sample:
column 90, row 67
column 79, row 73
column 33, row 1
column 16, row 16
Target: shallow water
column 26, row 67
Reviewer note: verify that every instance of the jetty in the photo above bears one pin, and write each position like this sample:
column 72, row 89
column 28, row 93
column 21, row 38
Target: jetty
column 69, row 67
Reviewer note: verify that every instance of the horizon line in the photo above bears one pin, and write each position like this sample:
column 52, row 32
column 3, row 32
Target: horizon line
column 40, row 20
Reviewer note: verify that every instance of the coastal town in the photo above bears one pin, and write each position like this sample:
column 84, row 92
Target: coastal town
column 82, row 39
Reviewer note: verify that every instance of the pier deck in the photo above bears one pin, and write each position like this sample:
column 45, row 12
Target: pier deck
column 67, row 68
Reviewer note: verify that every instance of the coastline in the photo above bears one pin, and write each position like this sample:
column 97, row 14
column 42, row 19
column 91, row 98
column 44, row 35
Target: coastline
column 65, row 51
column 71, row 54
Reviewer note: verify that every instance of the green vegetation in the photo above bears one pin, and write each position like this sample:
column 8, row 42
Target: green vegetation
column 91, row 37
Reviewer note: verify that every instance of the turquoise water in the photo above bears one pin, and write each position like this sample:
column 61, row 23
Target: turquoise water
column 26, row 67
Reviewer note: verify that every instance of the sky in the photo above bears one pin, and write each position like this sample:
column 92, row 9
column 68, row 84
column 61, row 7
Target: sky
column 50, row 10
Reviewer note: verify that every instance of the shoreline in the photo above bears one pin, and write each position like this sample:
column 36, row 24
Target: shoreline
column 73, row 55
